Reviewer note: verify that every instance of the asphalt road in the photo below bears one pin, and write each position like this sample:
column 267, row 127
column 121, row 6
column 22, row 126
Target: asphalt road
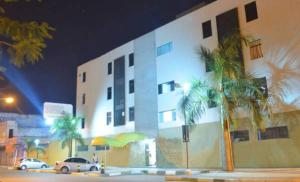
column 22, row 176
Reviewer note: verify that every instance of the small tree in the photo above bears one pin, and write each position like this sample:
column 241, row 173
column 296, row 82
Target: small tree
column 30, row 146
column 231, row 88
column 65, row 129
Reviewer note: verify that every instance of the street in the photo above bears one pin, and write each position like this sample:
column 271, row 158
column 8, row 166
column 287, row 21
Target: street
column 22, row 176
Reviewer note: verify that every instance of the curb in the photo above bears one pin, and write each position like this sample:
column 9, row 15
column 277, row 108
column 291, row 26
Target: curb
column 41, row 170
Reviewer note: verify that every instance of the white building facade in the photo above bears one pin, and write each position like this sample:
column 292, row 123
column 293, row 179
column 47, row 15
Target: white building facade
column 136, row 87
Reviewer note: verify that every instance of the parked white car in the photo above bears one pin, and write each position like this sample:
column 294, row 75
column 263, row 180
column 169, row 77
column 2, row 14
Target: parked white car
column 31, row 163
column 75, row 164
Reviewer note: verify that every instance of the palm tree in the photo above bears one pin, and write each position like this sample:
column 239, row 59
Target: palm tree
column 231, row 88
column 30, row 146
column 65, row 129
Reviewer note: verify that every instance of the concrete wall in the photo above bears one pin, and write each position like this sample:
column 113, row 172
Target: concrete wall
column 146, row 116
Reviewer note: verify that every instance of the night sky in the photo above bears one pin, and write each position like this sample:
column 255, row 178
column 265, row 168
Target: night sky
column 85, row 29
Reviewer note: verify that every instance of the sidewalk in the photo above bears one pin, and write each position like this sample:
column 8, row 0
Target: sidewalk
column 242, row 175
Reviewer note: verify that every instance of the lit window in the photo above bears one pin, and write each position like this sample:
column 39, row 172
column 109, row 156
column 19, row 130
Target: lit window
column 167, row 116
column 166, row 87
column 251, row 11
column 164, row 49
column 273, row 133
column 255, row 49
column 131, row 59
column 239, row 136
column 108, row 118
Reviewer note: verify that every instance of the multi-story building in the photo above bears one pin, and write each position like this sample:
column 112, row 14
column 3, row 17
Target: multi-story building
column 135, row 88
column 15, row 129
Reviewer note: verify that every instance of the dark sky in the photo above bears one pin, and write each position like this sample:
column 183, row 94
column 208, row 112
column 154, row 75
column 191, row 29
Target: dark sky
column 85, row 29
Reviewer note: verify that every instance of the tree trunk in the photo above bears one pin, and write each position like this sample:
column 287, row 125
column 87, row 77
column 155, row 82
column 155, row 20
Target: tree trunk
column 225, row 140
column 70, row 148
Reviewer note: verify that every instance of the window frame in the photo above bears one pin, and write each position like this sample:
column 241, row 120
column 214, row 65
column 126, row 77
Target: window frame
column 109, row 68
column 109, row 93
column 206, row 29
column 131, row 86
column 131, row 60
column 249, row 7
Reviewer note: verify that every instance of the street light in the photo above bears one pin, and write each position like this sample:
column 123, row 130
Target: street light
column 37, row 141
column 8, row 100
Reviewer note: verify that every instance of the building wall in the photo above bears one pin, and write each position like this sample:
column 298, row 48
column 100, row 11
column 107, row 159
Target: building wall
column 276, row 27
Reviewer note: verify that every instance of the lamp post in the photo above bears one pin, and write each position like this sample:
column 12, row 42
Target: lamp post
column 37, row 141
column 8, row 100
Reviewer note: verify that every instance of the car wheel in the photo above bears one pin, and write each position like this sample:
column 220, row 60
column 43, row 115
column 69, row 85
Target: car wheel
column 23, row 167
column 93, row 168
column 44, row 166
column 64, row 170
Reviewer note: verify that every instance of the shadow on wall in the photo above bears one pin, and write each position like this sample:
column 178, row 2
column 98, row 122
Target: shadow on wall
column 203, row 147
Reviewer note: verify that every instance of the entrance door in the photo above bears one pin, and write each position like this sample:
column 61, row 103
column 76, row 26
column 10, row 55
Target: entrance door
column 150, row 152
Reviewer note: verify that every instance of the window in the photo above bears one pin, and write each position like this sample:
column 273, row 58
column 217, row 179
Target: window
column 164, row 49
column 108, row 118
column 131, row 113
column 83, row 99
column 251, row 11
column 10, row 133
column 131, row 86
column 166, row 87
column 211, row 94
column 83, row 77
column 35, row 160
column 80, row 160
column 108, row 93
column 206, row 29
column 255, row 49
column 82, row 123
column 274, row 132
column 240, row 136
column 101, row 147
column 82, row 148
column 109, row 68
column 131, row 59
column 69, row 160
column 167, row 116
column 262, row 84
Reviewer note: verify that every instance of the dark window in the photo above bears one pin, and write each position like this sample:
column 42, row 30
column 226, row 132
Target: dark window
column 82, row 123
column 108, row 93
column 166, row 87
column 108, row 118
column 10, row 133
column 164, row 49
column 35, row 160
column 261, row 83
column 131, row 59
column 82, row 148
column 109, row 68
column 255, row 49
column 211, row 94
column 131, row 86
column 239, row 136
column 206, row 28
column 251, row 11
column 83, row 76
column 69, row 160
column 274, row 132
column 83, row 99
column 101, row 147
column 80, row 160
column 131, row 113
